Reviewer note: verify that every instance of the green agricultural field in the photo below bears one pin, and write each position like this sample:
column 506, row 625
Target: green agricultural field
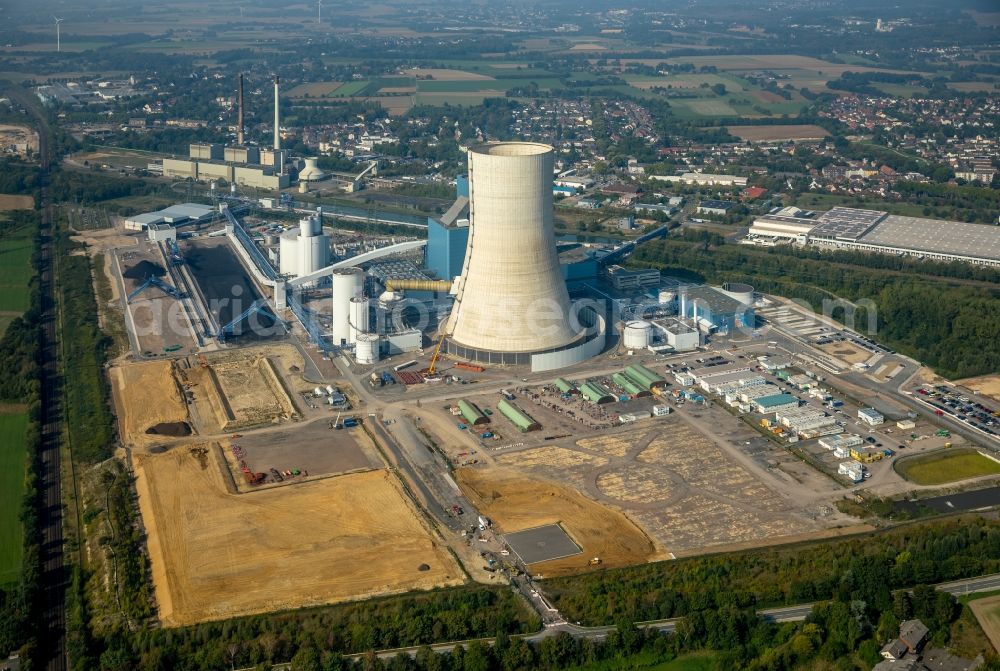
column 941, row 467
column 457, row 99
column 473, row 86
column 12, row 462
column 349, row 89
column 695, row 107
column 15, row 272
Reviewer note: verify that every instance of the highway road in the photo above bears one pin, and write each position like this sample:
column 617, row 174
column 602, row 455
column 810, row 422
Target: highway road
column 52, row 627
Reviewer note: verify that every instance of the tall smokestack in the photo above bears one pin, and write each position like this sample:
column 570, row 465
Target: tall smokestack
column 239, row 117
column 277, row 132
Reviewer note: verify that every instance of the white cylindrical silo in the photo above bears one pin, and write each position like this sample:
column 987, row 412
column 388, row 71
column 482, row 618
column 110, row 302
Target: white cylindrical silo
column 360, row 322
column 637, row 334
column 366, row 350
column 666, row 297
column 314, row 253
column 347, row 284
column 288, row 249
column 739, row 291
column 511, row 294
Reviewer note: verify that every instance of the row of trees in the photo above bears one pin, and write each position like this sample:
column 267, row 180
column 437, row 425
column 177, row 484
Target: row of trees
column 862, row 568
column 20, row 354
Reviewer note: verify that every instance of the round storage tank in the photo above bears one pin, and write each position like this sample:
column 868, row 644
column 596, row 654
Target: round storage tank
column 314, row 253
column 739, row 291
column 347, row 283
column 637, row 334
column 666, row 297
column 360, row 321
column 366, row 348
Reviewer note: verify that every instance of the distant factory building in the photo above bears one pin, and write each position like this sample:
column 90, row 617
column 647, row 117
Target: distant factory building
column 175, row 215
column 717, row 207
column 703, row 179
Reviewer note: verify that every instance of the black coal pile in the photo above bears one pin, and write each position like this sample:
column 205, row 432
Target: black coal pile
column 144, row 269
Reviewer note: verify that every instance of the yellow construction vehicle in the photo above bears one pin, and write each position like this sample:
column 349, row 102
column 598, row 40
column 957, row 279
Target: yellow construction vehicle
column 596, row 561
column 432, row 368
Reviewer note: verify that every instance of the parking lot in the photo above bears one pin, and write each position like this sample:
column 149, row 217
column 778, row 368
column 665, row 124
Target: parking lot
column 946, row 400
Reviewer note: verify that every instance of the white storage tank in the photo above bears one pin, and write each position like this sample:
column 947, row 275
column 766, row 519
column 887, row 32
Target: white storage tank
column 360, row 321
column 666, row 297
column 366, row 348
column 637, row 335
column 739, row 291
column 348, row 283
column 288, row 250
column 314, row 253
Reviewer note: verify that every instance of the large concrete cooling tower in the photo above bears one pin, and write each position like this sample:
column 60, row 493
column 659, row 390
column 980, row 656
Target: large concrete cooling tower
column 511, row 295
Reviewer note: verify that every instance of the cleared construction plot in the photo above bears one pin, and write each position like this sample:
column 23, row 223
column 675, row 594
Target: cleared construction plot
column 678, row 485
column 988, row 385
column 216, row 554
column 543, row 543
column 847, row 352
column 516, row 502
column 150, row 405
column 239, row 391
column 938, row 468
column 987, row 612
column 15, row 202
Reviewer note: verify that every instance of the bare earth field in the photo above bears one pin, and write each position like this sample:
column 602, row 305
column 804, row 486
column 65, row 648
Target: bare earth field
column 10, row 202
column 515, row 502
column 445, row 75
column 846, row 352
column 987, row 611
column 678, row 485
column 146, row 394
column 763, row 133
column 216, row 554
column 988, row 385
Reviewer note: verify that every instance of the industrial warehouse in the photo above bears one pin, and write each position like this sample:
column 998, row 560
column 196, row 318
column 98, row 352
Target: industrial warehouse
column 879, row 232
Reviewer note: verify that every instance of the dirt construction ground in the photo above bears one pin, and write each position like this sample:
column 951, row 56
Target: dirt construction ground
column 988, row 385
column 515, row 502
column 216, row 554
column 146, row 395
column 678, row 485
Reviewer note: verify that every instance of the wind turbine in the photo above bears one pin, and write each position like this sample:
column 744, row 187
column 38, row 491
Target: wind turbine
column 58, row 42
column 241, row 12
column 319, row 11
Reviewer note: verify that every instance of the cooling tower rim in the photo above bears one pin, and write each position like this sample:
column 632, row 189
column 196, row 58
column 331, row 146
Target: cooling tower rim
column 512, row 149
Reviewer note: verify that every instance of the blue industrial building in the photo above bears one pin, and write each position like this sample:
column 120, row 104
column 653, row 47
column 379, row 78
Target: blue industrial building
column 718, row 309
column 448, row 235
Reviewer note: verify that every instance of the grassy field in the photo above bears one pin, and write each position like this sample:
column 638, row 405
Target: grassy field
column 695, row 661
column 15, row 271
column 938, row 468
column 349, row 89
column 12, row 462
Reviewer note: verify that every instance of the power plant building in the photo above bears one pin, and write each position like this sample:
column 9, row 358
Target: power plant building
column 512, row 305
